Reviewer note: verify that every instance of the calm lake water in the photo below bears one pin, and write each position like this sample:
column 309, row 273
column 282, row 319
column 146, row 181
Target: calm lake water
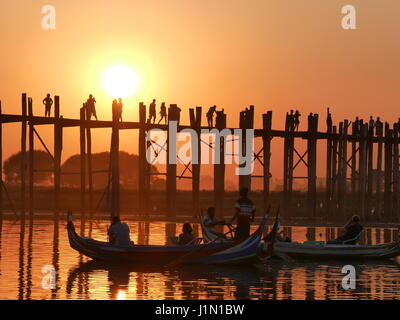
column 26, row 249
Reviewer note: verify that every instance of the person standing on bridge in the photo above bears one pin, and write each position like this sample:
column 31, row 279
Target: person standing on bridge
column 210, row 116
column 152, row 111
column 91, row 107
column 48, row 102
column 163, row 113
column 120, row 106
column 296, row 120
column 329, row 121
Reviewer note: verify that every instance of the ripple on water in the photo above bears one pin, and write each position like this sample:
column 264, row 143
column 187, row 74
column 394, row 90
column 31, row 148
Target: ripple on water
column 46, row 243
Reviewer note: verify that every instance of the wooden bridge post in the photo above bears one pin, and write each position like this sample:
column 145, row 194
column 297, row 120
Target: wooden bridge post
column 312, row 164
column 370, row 170
column 1, row 163
column 142, row 160
column 246, row 122
column 343, row 175
column 288, row 165
column 340, row 170
column 89, row 164
column 354, row 169
column 171, row 166
column 290, row 169
column 23, row 155
column 115, row 193
column 83, row 161
column 285, row 166
column 334, row 173
column 396, row 167
column 58, row 144
column 267, row 126
column 328, row 183
column 388, row 172
column 195, row 123
column 31, row 158
column 379, row 172
column 219, row 170
column 363, row 169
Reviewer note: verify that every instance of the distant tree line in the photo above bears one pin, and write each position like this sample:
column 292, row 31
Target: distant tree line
column 129, row 169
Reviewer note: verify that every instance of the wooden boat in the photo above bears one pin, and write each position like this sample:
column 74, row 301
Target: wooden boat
column 241, row 252
column 318, row 250
column 322, row 251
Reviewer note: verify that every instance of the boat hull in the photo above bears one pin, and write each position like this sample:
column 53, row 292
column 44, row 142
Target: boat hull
column 337, row 252
column 243, row 252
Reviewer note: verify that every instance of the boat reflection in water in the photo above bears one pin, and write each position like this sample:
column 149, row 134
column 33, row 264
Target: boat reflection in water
column 187, row 282
column 26, row 247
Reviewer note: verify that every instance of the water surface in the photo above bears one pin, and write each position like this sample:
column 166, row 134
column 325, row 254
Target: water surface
column 26, row 249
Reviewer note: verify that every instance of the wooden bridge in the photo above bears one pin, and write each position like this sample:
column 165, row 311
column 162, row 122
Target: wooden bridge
column 355, row 183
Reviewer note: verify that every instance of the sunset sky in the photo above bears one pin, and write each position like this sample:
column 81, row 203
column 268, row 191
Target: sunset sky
column 274, row 54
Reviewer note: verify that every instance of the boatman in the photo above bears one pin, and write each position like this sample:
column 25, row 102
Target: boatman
column 118, row 233
column 210, row 222
column 350, row 233
column 245, row 212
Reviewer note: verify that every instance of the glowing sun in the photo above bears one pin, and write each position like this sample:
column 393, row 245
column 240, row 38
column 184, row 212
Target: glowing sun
column 120, row 81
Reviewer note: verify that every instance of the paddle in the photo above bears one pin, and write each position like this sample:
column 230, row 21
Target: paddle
column 273, row 233
column 188, row 255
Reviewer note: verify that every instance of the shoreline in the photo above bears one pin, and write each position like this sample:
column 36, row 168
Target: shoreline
column 293, row 222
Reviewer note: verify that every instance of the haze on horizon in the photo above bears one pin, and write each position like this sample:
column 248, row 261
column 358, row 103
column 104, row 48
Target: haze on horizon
column 274, row 54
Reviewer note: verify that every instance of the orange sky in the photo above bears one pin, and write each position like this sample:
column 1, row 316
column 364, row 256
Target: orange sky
column 275, row 54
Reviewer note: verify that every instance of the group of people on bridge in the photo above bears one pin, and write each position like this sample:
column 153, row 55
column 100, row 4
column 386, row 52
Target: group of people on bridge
column 173, row 113
column 293, row 120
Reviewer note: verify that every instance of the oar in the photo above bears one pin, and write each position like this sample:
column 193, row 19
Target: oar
column 188, row 255
column 283, row 256
column 271, row 237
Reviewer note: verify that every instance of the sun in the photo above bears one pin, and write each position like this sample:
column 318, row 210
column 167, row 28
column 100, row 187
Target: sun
column 120, row 81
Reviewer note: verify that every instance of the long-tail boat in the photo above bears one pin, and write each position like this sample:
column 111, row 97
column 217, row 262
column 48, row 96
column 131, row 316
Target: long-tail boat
column 319, row 250
column 216, row 252
column 323, row 251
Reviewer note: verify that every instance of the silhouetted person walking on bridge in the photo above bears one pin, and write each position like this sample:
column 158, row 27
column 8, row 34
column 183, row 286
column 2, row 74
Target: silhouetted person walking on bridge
column 210, row 115
column 371, row 125
column 291, row 120
column 379, row 127
column 91, row 107
column 117, row 109
column 163, row 113
column 48, row 102
column 296, row 120
column 357, row 126
column 152, row 112
column 329, row 122
column 120, row 106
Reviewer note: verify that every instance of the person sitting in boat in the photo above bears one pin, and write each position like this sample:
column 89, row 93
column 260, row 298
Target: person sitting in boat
column 351, row 231
column 210, row 221
column 245, row 211
column 187, row 235
column 118, row 233
column 282, row 237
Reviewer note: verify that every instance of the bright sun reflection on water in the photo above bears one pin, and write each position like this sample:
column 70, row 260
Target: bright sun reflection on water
column 121, row 295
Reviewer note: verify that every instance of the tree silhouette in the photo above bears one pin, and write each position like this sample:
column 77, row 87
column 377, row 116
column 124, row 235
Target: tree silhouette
column 42, row 161
column 129, row 170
